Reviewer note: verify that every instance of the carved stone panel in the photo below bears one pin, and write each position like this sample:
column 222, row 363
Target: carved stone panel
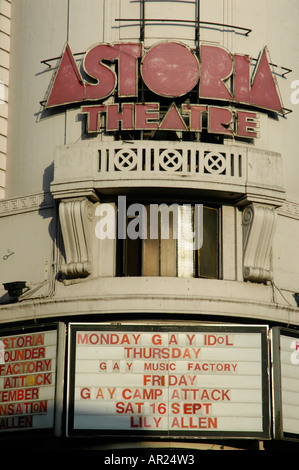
column 258, row 230
column 76, row 216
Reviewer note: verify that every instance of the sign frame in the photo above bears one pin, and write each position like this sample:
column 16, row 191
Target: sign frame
column 278, row 430
column 56, row 427
column 171, row 328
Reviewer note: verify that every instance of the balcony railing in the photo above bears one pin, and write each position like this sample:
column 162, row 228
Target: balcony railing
column 101, row 166
column 163, row 159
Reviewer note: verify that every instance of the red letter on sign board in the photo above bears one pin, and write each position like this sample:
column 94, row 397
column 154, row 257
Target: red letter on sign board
column 262, row 90
column 127, row 68
column 127, row 55
column 146, row 116
column 125, row 117
column 106, row 78
column 219, row 120
column 93, row 116
column 68, row 86
column 195, row 122
column 173, row 121
column 216, row 67
column 246, row 124
column 170, row 69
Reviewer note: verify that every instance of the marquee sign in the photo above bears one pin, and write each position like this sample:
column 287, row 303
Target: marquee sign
column 286, row 383
column 31, row 377
column 170, row 71
column 168, row 381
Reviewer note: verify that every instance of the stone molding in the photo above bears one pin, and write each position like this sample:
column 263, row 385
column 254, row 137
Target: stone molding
column 31, row 202
column 289, row 209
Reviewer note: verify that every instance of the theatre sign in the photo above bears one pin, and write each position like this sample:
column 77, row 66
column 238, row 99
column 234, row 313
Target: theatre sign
column 168, row 381
column 181, row 86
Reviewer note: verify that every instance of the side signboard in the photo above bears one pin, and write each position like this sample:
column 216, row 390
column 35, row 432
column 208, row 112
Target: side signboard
column 168, row 381
column 31, row 378
column 285, row 351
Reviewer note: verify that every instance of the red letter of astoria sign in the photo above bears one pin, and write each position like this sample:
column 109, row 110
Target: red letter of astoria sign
column 171, row 70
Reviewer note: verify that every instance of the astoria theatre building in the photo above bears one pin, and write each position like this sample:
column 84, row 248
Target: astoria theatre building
column 149, row 220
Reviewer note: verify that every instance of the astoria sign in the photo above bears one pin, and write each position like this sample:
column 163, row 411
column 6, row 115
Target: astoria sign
column 170, row 70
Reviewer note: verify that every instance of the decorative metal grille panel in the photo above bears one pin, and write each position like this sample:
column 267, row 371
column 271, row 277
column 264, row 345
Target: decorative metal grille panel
column 175, row 159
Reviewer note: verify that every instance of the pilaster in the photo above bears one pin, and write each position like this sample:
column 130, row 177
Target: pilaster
column 76, row 216
column 258, row 230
